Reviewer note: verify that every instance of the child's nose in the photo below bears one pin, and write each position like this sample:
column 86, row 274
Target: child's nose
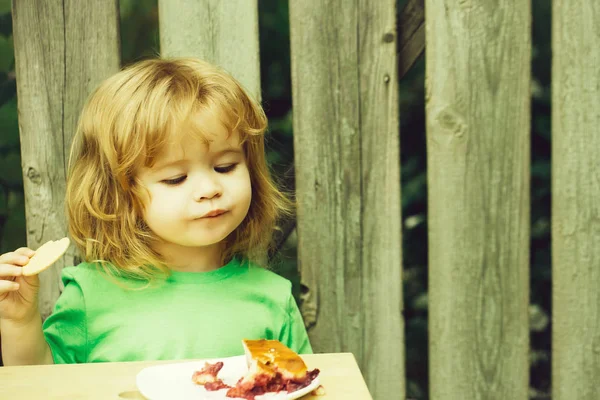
column 207, row 189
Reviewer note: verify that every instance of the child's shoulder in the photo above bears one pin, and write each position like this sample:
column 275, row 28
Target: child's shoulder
column 265, row 284
column 268, row 281
column 86, row 273
column 84, row 270
column 267, row 275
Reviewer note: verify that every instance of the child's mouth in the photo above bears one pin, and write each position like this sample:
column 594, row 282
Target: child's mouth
column 213, row 214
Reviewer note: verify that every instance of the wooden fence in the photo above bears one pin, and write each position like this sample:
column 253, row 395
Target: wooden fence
column 345, row 72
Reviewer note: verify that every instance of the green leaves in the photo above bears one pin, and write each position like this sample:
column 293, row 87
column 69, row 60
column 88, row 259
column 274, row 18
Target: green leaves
column 7, row 57
column 12, row 220
column 4, row 6
column 10, row 170
column 9, row 126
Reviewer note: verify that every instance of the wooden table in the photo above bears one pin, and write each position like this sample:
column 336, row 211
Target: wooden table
column 340, row 377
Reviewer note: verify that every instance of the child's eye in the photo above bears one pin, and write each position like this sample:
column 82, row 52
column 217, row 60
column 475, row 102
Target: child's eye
column 174, row 181
column 225, row 168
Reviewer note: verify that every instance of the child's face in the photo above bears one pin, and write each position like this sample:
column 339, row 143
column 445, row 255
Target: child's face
column 199, row 193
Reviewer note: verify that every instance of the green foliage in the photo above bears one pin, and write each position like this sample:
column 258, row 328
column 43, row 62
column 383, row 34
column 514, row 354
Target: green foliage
column 12, row 204
column 139, row 30
column 5, row 7
column 12, row 220
column 274, row 35
column 10, row 165
column 6, row 52
column 9, row 126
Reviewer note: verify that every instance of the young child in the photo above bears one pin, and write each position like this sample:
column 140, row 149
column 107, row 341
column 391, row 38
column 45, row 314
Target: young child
column 170, row 201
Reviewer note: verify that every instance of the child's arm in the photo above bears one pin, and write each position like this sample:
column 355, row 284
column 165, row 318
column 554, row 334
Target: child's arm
column 293, row 333
column 20, row 323
column 23, row 343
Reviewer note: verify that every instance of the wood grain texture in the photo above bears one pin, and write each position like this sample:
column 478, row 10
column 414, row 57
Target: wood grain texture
column 346, row 143
column 410, row 45
column 63, row 49
column 478, row 152
column 224, row 33
column 575, row 200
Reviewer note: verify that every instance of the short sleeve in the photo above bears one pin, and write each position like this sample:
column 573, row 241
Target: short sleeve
column 293, row 333
column 65, row 329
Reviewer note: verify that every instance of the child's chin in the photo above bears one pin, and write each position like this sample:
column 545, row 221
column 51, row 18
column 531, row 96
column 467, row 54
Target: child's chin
column 205, row 241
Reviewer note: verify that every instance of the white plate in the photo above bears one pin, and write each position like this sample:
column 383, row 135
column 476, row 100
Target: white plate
column 174, row 381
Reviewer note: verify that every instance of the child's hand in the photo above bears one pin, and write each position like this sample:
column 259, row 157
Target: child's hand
column 18, row 293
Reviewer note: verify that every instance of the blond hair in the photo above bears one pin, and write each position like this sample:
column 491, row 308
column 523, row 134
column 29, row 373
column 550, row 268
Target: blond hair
column 123, row 126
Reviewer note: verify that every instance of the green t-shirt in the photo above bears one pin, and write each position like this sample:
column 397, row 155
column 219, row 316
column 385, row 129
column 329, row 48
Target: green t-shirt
column 191, row 315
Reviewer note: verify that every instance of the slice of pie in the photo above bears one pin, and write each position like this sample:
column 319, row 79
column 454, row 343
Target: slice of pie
column 272, row 367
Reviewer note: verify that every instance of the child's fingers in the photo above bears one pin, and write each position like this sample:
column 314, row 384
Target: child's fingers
column 14, row 258
column 26, row 251
column 8, row 286
column 10, row 270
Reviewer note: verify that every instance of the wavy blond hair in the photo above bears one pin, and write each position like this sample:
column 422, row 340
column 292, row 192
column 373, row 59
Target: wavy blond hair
column 123, row 126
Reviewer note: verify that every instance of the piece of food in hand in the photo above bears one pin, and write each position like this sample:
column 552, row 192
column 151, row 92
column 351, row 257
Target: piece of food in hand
column 272, row 367
column 45, row 256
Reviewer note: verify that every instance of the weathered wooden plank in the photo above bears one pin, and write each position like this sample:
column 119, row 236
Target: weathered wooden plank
column 575, row 200
column 63, row 48
column 381, row 223
column 345, row 93
column 224, row 33
column 478, row 151
column 411, row 45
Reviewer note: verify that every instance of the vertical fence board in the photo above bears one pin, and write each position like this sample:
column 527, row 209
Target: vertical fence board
column 576, row 200
column 224, row 33
column 478, row 151
column 345, row 94
column 381, row 230
column 63, row 48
